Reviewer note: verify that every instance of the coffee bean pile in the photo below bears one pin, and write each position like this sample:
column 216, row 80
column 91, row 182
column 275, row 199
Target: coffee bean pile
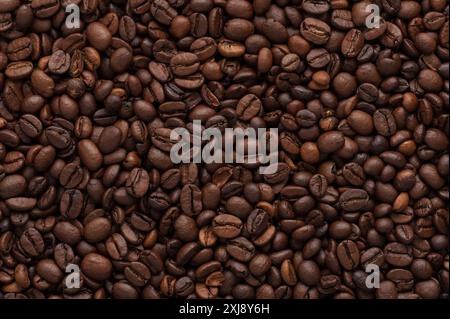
column 86, row 181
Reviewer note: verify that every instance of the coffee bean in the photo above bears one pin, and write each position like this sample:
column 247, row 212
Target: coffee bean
column 397, row 254
column 30, row 125
column 109, row 140
column 32, row 242
column 241, row 249
column 45, row 8
column 348, row 254
column 98, row 36
column 190, row 199
column 314, row 30
column 384, row 122
column 96, row 266
column 248, row 107
column 318, row 185
column 227, row 226
column 353, row 199
column 71, row 203
column 90, row 154
column 59, row 62
column 184, row 64
column 257, row 222
column 288, row 273
column 274, row 31
column 308, row 272
column 137, row 274
column 352, row 43
column 48, row 270
column 162, row 11
column 19, row 49
column 331, row 141
column 137, row 183
column 19, row 70
column 97, row 229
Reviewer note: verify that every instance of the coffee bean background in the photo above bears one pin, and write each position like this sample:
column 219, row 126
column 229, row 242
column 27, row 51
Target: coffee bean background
column 86, row 178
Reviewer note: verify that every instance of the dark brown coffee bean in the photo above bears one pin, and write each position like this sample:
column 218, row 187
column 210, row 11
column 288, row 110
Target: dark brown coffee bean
column 97, row 230
column 90, row 154
column 348, row 254
column 353, row 199
column 98, row 36
column 71, row 203
column 184, row 64
column 96, row 266
column 137, row 183
column 227, row 226
column 30, row 125
column 308, row 272
column 241, row 249
column 48, row 270
column 248, row 107
column 59, row 62
column 314, row 30
column 137, row 274
column 162, row 11
column 384, row 122
column 19, row 49
column 32, row 242
column 318, row 185
column 397, row 254
column 331, row 141
column 190, row 199
column 352, row 43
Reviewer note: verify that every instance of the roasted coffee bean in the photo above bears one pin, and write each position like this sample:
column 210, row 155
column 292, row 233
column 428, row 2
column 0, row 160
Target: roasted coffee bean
column 348, row 254
column 30, row 125
column 241, row 249
column 257, row 222
column 226, row 226
column 98, row 36
column 137, row 274
column 308, row 272
column 352, row 43
column 59, row 62
column 314, row 30
column 49, row 271
column 384, row 122
column 318, row 185
column 184, row 64
column 137, row 183
column 353, row 199
column 71, row 203
column 19, row 49
column 398, row 254
column 32, row 243
column 96, row 266
column 248, row 107
column 190, row 199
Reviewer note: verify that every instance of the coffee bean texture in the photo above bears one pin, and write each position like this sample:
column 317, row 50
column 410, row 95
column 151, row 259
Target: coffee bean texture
column 88, row 107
